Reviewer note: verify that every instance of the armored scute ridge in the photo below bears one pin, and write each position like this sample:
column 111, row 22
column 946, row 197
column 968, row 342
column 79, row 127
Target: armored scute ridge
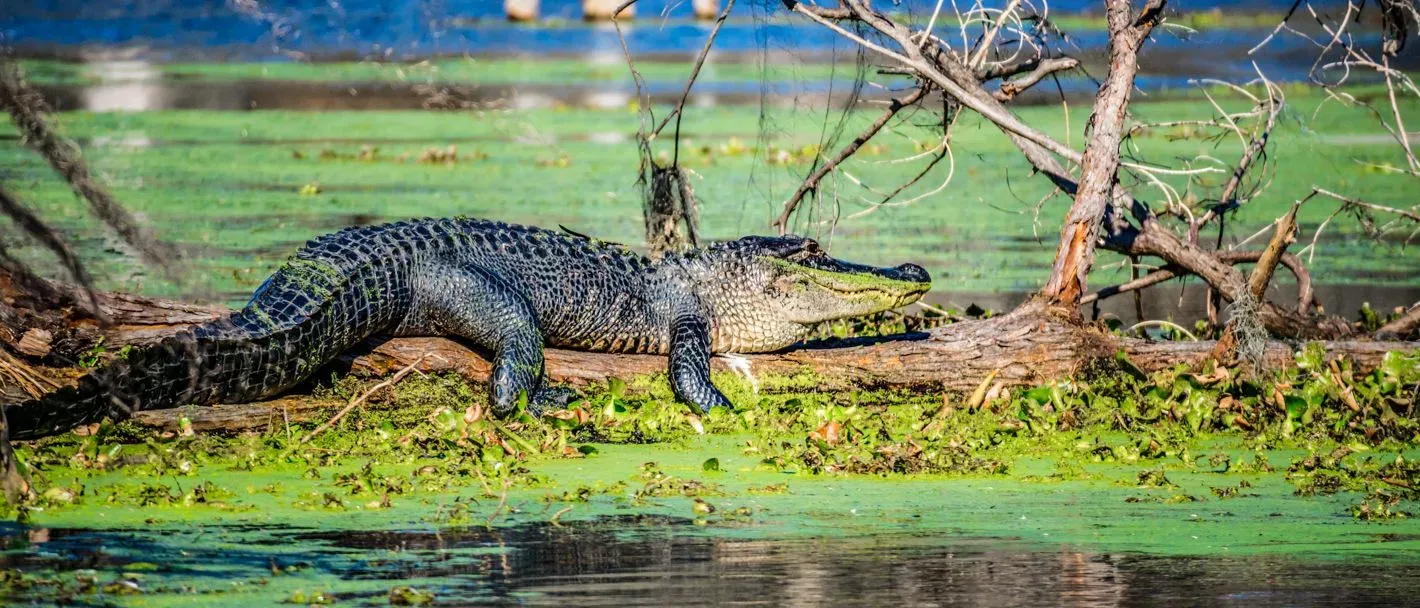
column 506, row 288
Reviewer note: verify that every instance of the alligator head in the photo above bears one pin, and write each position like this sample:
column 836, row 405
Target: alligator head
column 765, row 293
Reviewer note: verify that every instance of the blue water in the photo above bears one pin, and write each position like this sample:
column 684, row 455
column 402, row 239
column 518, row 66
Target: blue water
column 403, row 29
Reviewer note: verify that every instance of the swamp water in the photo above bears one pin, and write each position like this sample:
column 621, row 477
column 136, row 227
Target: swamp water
column 590, row 534
column 241, row 162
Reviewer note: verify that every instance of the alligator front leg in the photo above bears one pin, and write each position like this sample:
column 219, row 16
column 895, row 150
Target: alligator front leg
column 476, row 305
column 690, row 363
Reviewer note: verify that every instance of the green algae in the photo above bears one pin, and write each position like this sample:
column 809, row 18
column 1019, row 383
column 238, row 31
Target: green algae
column 226, row 185
column 256, row 518
column 429, row 452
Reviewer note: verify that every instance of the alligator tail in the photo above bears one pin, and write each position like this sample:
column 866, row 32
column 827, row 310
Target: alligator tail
column 205, row 365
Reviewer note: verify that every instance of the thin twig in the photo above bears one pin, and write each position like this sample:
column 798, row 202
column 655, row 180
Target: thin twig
column 502, row 498
column 39, row 231
column 985, row 45
column 811, row 183
column 1161, row 323
column 1372, row 206
column 694, row 72
column 356, row 402
column 557, row 517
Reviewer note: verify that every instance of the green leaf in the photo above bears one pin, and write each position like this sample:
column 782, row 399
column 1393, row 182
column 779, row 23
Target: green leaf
column 1040, row 395
column 1296, row 408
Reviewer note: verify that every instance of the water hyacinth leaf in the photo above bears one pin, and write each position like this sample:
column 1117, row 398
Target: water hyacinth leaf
column 1296, row 408
column 1040, row 395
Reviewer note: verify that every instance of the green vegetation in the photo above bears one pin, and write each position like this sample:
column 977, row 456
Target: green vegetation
column 1317, row 459
column 239, row 191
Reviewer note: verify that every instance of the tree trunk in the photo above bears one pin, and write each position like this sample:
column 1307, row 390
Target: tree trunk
column 1101, row 160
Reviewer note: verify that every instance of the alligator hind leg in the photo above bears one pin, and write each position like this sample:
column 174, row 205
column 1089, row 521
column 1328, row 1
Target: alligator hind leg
column 477, row 305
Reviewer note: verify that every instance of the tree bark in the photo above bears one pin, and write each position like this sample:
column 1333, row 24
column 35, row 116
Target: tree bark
column 1076, row 252
column 1401, row 327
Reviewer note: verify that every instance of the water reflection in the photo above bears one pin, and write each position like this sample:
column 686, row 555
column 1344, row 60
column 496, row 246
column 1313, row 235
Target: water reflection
column 658, row 562
column 124, row 86
column 153, row 95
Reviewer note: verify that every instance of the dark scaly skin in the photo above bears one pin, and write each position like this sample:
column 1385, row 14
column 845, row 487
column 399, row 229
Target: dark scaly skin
column 505, row 288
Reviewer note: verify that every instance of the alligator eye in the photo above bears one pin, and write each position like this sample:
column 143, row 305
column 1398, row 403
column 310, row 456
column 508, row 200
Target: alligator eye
column 810, row 250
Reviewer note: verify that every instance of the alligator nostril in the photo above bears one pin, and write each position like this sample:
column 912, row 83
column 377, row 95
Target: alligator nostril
column 914, row 273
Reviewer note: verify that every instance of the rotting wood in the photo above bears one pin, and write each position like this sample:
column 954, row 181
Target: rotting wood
column 236, row 418
column 35, row 342
column 1029, row 345
column 1407, row 323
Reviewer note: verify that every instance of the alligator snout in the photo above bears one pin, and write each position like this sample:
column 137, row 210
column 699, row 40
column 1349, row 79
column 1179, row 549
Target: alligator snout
column 910, row 272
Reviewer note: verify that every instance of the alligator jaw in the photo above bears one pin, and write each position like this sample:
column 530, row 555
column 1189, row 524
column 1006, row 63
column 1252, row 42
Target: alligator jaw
column 825, row 288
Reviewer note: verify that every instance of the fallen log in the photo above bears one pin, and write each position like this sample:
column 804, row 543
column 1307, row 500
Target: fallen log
column 240, row 417
column 1027, row 346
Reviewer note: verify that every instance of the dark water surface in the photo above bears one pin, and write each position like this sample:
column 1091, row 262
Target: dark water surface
column 665, row 561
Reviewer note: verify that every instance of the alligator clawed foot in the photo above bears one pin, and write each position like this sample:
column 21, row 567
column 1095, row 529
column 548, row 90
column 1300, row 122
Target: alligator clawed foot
column 552, row 398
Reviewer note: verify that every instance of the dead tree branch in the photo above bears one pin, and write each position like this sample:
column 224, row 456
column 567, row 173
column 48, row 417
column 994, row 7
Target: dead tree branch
column 694, row 73
column 1228, row 199
column 944, row 69
column 1403, row 326
column 1043, row 69
column 1305, row 294
column 1244, row 335
column 812, row 182
column 39, row 231
column 1267, row 262
column 1095, row 192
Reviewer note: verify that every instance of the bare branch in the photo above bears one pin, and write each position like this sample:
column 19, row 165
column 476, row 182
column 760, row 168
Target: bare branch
column 1411, row 215
column 1305, row 295
column 1402, row 326
column 39, row 231
column 811, row 183
column 1284, row 235
column 1076, row 252
column 694, row 73
column 1044, row 68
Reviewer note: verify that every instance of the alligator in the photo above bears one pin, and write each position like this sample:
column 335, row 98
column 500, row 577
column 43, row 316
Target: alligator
column 505, row 288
